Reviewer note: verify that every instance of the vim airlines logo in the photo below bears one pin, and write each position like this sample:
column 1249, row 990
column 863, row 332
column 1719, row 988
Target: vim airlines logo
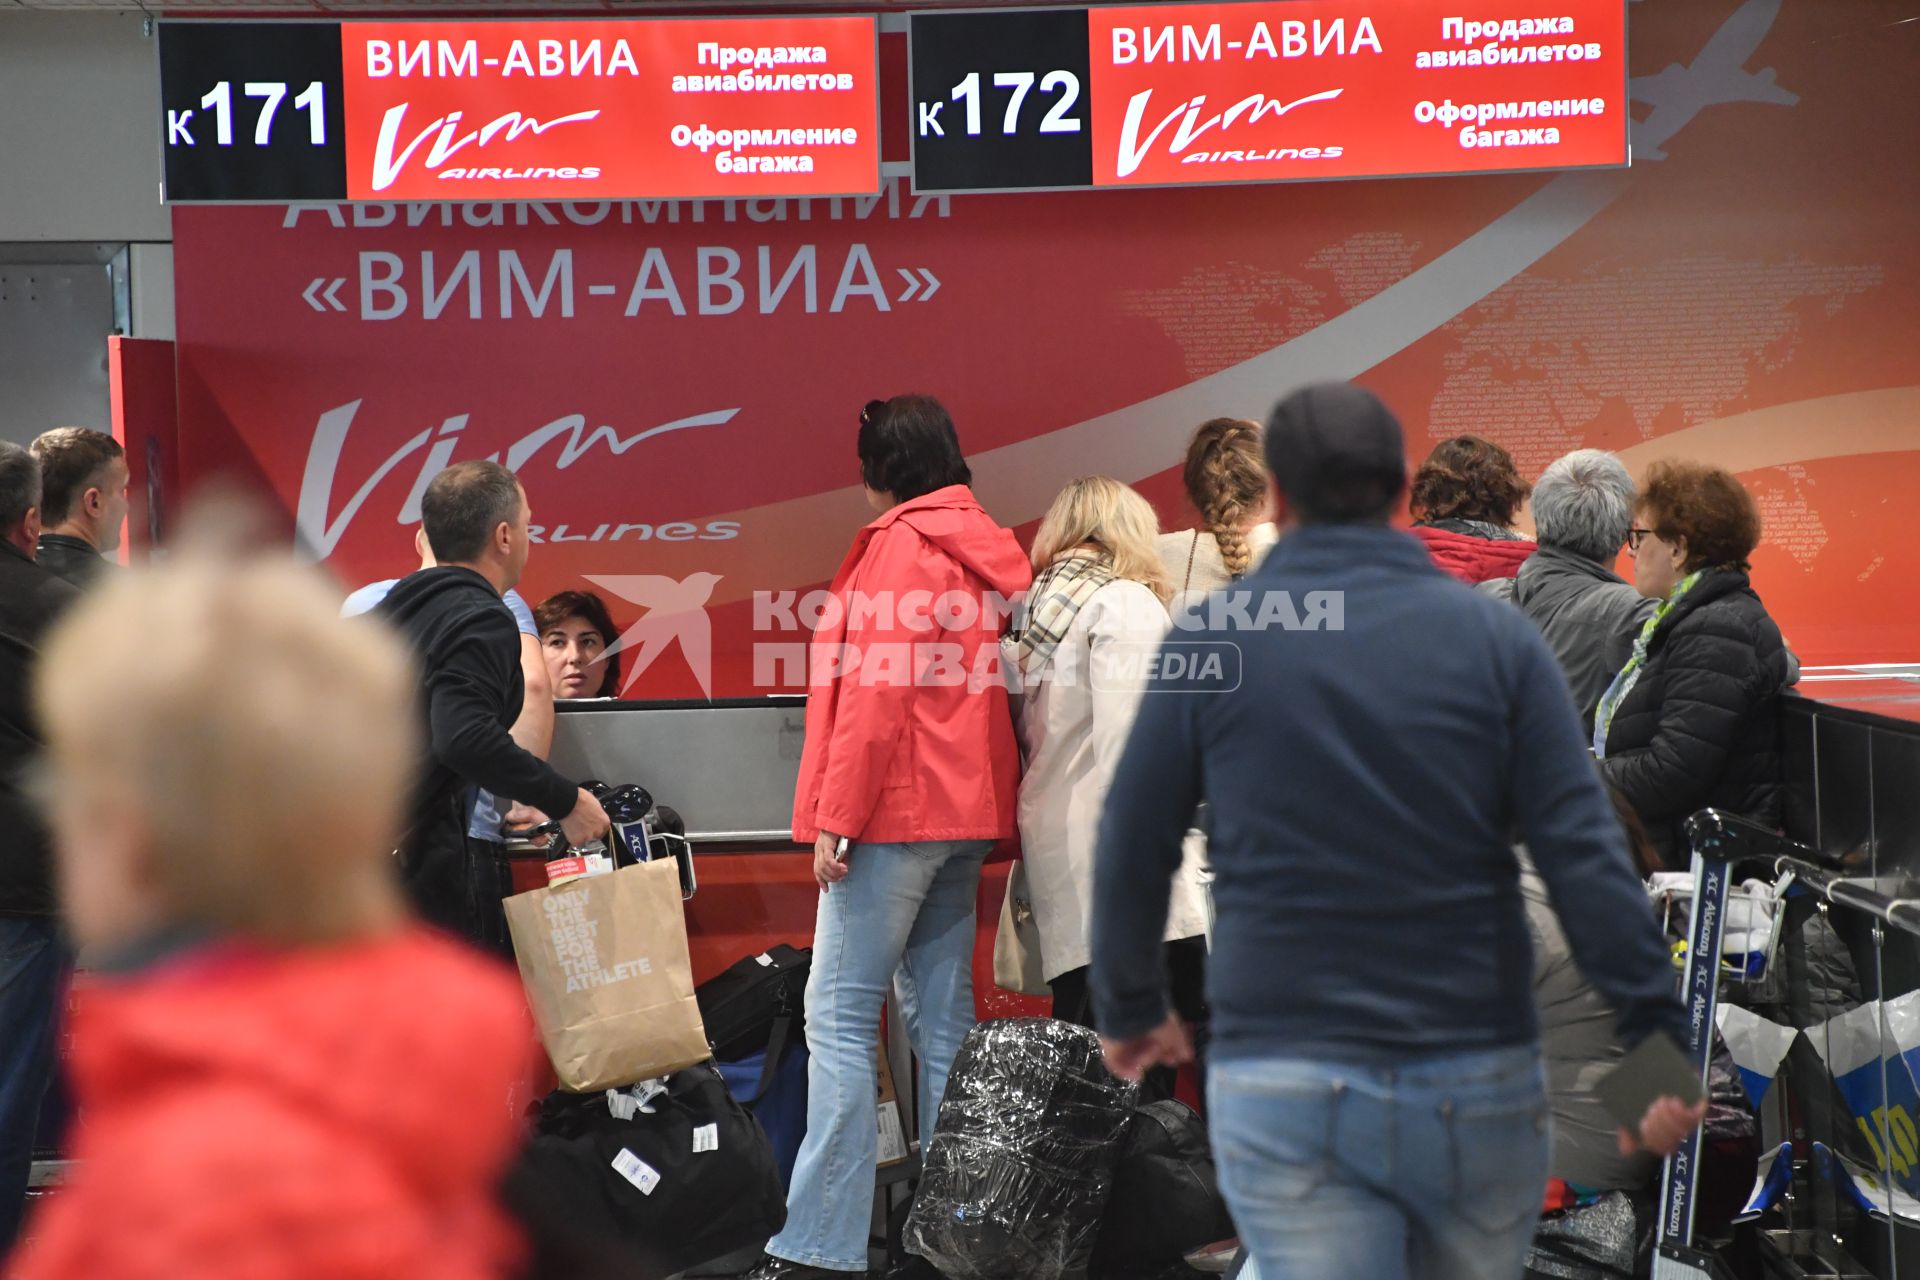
column 513, row 125
column 1249, row 109
column 320, row 529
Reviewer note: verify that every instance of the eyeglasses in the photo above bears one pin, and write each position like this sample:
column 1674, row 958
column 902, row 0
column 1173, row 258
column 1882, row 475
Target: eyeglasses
column 1635, row 537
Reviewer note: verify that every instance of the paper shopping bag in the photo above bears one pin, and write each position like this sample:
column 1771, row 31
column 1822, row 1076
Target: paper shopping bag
column 605, row 964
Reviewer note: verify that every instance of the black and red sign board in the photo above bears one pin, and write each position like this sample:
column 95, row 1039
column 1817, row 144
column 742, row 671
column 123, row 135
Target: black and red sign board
column 1289, row 90
column 520, row 110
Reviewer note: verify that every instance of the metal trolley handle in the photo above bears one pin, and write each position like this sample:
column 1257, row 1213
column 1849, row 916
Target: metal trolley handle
column 1721, row 843
column 557, row 846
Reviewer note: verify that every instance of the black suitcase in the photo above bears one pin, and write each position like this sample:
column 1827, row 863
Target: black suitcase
column 1166, row 1197
column 759, row 1004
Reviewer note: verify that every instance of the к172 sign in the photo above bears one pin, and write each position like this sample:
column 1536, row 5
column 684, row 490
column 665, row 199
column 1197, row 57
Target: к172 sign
column 1176, row 94
column 561, row 110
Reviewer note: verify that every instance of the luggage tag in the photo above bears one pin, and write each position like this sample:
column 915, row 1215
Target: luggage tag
column 637, row 1171
column 627, row 808
column 632, row 842
column 634, row 1100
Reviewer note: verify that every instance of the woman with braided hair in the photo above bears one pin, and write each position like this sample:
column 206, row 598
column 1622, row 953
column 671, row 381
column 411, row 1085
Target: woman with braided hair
column 1226, row 481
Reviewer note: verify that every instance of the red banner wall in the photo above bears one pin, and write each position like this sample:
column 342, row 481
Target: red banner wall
column 677, row 384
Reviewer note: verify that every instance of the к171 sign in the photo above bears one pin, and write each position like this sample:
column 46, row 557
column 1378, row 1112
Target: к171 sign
column 560, row 110
column 1292, row 90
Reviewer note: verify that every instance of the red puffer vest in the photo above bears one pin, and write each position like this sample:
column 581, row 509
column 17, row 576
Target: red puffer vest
column 1472, row 559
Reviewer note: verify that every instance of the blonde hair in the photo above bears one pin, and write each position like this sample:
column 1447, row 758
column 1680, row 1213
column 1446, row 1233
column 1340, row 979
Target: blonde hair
column 268, row 788
column 1102, row 511
column 1226, row 478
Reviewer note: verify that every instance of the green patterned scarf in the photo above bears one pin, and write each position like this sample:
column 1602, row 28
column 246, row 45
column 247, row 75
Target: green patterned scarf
column 1630, row 674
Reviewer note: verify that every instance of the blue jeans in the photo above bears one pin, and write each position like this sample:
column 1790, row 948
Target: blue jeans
column 903, row 907
column 32, row 964
column 1432, row 1170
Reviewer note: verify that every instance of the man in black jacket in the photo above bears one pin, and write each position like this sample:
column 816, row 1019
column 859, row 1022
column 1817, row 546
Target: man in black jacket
column 32, row 954
column 83, row 499
column 468, row 647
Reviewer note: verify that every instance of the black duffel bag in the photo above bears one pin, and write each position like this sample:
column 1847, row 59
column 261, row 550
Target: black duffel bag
column 687, row 1179
column 758, row 1005
column 1166, row 1199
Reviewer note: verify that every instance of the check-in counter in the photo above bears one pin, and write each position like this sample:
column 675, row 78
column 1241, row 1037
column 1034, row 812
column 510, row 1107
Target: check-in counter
column 729, row 767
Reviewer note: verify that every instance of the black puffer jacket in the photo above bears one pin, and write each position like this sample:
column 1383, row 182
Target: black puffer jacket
column 1700, row 727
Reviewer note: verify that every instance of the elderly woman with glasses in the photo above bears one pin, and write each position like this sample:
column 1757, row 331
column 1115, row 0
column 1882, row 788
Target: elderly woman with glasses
column 1689, row 722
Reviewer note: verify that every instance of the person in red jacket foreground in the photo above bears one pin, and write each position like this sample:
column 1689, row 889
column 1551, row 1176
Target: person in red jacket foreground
column 278, row 1075
column 1464, row 499
column 909, row 774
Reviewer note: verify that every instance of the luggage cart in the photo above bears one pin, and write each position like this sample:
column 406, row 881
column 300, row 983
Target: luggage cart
column 1675, row 1256
column 1723, row 844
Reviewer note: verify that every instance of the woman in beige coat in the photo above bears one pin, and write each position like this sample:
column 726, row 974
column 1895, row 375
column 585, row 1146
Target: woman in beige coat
column 1095, row 617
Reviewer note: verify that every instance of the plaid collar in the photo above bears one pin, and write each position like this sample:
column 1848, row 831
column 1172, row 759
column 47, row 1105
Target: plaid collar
column 1053, row 602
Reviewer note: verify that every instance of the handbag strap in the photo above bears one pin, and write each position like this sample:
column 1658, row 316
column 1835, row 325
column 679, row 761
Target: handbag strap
column 1191, row 549
column 776, row 1050
column 779, row 1039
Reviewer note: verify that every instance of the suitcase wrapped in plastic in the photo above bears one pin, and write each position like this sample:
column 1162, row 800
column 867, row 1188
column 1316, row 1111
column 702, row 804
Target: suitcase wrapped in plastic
column 1022, row 1160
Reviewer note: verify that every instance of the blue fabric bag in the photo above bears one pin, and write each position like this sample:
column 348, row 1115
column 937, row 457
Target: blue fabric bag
column 782, row 1110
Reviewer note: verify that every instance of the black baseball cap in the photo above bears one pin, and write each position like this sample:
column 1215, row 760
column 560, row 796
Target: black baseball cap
column 1337, row 454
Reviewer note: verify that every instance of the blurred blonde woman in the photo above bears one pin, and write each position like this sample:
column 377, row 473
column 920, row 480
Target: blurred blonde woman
column 1096, row 612
column 1226, row 479
column 282, row 1074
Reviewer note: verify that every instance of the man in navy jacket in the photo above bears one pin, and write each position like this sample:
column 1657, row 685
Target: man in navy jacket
column 1370, row 736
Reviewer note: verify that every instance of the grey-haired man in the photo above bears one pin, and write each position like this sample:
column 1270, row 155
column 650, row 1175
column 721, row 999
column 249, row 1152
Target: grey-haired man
column 1582, row 509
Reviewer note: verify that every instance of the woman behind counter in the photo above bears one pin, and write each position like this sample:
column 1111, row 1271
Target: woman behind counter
column 575, row 632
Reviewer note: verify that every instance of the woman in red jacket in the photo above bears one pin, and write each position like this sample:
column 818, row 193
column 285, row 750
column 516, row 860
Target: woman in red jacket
column 909, row 774
column 278, row 1075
